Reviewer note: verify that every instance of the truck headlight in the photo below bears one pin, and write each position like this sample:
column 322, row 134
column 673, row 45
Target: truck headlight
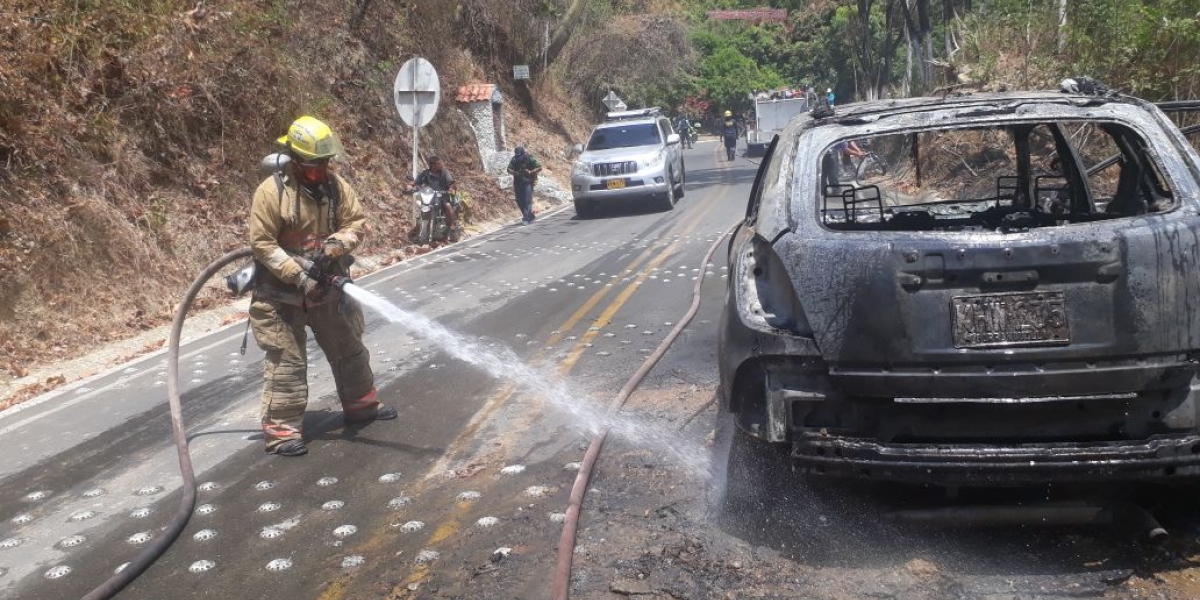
column 652, row 162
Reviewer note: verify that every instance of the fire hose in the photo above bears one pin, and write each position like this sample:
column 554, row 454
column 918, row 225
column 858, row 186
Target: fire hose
column 187, row 500
column 560, row 586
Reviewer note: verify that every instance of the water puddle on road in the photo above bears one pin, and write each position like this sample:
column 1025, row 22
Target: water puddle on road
column 499, row 361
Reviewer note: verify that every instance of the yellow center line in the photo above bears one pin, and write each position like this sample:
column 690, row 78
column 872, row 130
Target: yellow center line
column 499, row 399
column 453, row 523
column 337, row 589
column 606, row 317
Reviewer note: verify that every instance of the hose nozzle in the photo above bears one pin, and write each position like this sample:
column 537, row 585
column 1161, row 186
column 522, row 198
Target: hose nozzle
column 241, row 282
column 319, row 269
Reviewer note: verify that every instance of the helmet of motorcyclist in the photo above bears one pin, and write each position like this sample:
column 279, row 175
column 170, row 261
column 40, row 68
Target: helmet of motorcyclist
column 310, row 139
column 729, row 113
column 828, row 90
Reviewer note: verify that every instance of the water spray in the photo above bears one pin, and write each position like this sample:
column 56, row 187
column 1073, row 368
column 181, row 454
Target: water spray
column 503, row 365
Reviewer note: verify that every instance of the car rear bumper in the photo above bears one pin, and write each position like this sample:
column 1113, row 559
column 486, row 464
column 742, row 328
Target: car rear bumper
column 1161, row 458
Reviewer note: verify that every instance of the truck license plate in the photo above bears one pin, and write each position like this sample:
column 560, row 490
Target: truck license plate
column 616, row 184
column 1005, row 320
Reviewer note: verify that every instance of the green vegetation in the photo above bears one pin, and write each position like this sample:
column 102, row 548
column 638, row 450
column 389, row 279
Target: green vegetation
column 867, row 49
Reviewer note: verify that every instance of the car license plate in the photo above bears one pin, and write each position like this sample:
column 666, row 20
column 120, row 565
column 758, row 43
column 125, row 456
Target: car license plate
column 1005, row 320
column 616, row 184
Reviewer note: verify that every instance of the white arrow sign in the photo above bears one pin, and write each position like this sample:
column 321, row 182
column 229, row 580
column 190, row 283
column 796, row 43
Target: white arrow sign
column 417, row 92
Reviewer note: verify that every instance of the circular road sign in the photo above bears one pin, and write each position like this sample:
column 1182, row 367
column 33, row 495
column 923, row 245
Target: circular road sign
column 417, row 92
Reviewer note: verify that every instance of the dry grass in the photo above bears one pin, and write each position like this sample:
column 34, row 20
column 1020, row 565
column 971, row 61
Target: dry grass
column 130, row 134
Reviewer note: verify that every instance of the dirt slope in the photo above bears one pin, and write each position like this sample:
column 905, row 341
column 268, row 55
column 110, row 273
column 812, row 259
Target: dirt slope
column 130, row 134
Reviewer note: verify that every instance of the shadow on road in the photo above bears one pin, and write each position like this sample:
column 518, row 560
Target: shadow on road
column 823, row 523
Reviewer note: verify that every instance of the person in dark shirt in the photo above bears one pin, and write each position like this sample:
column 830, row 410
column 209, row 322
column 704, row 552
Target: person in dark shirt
column 440, row 179
column 524, row 168
column 730, row 133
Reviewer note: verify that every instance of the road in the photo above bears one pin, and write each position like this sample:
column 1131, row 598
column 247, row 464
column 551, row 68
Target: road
column 463, row 496
column 90, row 474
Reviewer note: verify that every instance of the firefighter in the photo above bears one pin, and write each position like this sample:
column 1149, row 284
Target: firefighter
column 306, row 213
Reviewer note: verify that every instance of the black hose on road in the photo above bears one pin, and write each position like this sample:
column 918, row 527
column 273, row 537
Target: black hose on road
column 560, row 585
column 187, row 501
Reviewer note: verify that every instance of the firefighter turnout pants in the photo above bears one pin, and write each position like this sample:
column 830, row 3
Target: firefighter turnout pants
column 279, row 329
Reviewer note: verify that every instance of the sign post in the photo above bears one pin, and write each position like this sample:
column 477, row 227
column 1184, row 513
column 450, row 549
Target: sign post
column 417, row 91
column 520, row 71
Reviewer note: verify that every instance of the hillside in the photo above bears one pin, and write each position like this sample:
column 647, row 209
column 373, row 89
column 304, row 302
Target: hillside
column 131, row 131
column 130, row 134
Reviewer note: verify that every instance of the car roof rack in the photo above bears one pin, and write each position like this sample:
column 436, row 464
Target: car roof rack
column 641, row 113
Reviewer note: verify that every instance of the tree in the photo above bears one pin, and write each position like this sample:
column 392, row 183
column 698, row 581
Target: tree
column 728, row 77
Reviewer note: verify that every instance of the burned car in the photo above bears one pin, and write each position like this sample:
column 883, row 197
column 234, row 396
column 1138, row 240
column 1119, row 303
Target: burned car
column 1010, row 296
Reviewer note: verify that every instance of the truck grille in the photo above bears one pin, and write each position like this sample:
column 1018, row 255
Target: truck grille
column 614, row 169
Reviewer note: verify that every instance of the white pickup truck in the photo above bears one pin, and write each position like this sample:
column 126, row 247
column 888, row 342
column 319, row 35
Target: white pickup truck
column 770, row 117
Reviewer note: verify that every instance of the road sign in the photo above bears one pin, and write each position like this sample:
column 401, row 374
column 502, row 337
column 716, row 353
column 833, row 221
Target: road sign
column 520, row 71
column 417, row 92
column 613, row 101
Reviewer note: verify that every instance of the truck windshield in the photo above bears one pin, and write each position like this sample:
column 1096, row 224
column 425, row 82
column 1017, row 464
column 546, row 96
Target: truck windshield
column 624, row 136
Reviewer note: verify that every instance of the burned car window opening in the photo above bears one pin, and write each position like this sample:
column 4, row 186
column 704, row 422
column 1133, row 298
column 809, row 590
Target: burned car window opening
column 1005, row 177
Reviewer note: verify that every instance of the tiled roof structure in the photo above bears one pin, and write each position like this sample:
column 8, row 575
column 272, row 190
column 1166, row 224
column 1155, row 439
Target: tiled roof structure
column 751, row 14
column 475, row 92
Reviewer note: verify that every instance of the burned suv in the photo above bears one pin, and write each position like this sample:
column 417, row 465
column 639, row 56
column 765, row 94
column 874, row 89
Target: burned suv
column 1010, row 297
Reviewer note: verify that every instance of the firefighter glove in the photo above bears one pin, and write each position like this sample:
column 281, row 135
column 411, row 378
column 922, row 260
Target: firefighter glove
column 334, row 248
column 309, row 286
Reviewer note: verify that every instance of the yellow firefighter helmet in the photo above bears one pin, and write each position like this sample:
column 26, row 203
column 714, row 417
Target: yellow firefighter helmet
column 311, row 139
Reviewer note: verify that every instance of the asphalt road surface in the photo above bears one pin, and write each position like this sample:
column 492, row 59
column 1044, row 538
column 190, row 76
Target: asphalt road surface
column 90, row 475
column 463, row 496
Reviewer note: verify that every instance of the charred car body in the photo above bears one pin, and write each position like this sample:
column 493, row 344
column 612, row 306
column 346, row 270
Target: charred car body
column 1014, row 301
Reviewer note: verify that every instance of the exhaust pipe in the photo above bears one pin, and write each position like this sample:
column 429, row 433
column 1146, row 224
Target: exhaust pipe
column 1139, row 524
column 988, row 516
column 1130, row 518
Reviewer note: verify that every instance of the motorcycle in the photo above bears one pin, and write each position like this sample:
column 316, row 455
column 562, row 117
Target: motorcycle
column 432, row 225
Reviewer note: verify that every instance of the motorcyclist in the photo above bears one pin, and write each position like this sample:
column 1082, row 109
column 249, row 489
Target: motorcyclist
column 730, row 132
column 684, row 128
column 440, row 179
column 305, row 215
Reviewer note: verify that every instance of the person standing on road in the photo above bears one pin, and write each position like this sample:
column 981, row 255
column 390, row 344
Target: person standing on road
column 524, row 168
column 729, row 132
column 830, row 96
column 306, row 213
column 684, row 128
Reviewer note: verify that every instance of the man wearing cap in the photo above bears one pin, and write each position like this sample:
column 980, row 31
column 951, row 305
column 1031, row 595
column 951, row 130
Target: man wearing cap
column 306, row 215
column 524, row 168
